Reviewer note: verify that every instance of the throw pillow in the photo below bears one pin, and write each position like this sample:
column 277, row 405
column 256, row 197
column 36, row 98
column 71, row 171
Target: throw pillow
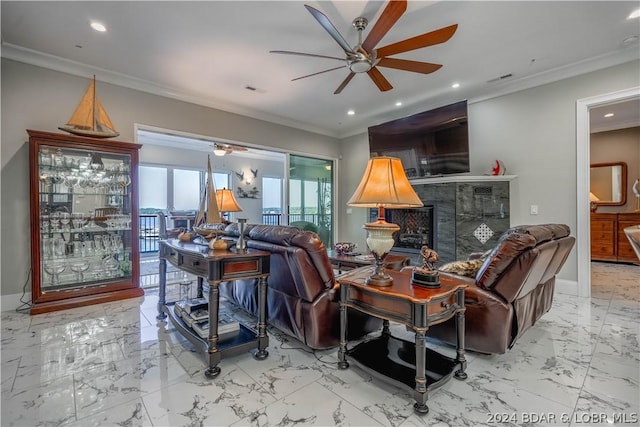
column 468, row 268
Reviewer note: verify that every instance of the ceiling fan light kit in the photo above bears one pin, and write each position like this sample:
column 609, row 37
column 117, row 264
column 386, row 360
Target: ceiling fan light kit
column 365, row 58
column 220, row 149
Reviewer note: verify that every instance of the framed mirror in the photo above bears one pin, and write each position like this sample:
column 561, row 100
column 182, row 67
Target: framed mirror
column 609, row 184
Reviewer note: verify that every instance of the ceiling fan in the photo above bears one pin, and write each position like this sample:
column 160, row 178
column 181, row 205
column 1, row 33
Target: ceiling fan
column 220, row 149
column 366, row 58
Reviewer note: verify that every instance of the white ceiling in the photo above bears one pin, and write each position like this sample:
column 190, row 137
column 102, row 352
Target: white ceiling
column 207, row 52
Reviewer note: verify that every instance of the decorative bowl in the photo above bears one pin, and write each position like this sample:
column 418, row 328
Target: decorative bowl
column 344, row 247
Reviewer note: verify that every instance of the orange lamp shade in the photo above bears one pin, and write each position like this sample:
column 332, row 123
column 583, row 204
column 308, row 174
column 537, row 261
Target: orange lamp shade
column 227, row 201
column 385, row 184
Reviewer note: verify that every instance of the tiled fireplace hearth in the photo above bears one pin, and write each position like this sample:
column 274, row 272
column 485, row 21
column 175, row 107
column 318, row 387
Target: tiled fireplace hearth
column 460, row 215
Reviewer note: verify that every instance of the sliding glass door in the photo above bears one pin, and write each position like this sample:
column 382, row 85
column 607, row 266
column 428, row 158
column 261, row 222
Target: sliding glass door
column 311, row 196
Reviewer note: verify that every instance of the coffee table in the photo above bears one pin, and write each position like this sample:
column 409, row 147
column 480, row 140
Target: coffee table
column 348, row 262
column 405, row 364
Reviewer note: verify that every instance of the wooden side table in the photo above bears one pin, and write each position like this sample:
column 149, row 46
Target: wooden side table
column 216, row 267
column 349, row 262
column 400, row 362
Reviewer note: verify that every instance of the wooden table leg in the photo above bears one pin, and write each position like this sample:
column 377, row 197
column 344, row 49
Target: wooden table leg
column 213, row 353
column 420, row 392
column 263, row 339
column 460, row 373
column 162, row 292
column 342, row 352
column 200, row 287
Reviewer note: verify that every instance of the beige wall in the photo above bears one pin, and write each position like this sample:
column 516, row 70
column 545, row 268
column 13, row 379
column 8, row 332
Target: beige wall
column 533, row 132
column 622, row 145
column 41, row 99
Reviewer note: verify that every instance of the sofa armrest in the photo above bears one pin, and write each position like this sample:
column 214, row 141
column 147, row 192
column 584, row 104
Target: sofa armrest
column 469, row 281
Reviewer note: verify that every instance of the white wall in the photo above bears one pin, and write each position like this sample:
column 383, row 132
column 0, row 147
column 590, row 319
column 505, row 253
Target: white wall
column 533, row 132
column 41, row 99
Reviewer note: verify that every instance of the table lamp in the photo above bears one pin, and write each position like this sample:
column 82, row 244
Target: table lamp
column 384, row 185
column 227, row 202
column 593, row 199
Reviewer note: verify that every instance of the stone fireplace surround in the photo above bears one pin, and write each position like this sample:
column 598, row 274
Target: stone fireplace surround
column 469, row 213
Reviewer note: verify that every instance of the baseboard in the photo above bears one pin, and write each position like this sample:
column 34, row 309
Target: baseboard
column 12, row 302
column 569, row 287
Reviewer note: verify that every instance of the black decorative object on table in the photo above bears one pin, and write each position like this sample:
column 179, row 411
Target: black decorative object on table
column 426, row 276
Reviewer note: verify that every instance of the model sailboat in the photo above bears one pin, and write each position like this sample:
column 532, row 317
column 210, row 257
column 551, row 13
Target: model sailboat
column 208, row 218
column 90, row 118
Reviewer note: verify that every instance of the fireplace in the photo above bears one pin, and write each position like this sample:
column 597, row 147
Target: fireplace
column 416, row 228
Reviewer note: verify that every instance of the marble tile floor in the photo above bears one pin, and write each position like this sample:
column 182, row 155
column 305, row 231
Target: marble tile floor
column 114, row 365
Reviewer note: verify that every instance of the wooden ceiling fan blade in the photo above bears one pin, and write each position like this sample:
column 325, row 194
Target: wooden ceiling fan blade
column 406, row 65
column 390, row 15
column 319, row 72
column 344, row 83
column 313, row 55
column 380, row 81
column 417, row 42
column 328, row 26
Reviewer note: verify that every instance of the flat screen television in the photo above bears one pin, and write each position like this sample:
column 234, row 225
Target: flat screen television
column 431, row 143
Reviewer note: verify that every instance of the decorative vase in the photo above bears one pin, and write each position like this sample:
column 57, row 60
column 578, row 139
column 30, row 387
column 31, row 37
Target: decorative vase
column 241, row 246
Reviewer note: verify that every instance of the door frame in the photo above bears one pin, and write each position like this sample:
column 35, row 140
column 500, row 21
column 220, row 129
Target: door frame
column 583, row 132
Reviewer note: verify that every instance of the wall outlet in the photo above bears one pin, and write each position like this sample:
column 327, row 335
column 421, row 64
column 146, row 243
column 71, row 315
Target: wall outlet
column 534, row 209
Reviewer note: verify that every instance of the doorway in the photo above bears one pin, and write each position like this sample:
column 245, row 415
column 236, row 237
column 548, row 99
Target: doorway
column 583, row 130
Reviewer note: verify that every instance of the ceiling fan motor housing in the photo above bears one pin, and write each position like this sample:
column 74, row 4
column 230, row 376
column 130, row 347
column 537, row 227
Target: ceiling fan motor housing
column 361, row 64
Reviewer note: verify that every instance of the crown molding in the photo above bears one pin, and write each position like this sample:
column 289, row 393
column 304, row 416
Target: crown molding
column 56, row 63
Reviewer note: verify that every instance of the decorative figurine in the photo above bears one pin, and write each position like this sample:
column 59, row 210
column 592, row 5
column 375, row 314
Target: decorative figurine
column 426, row 276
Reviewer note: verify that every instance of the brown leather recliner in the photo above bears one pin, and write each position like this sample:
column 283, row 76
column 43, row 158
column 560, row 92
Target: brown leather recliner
column 512, row 289
column 302, row 296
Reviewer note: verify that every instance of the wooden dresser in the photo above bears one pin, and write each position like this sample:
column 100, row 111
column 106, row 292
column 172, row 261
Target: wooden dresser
column 608, row 241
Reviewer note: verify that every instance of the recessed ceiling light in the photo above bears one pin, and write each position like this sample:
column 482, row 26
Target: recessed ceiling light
column 351, row 112
column 98, row 26
column 634, row 14
column 398, row 104
column 455, row 85
column 609, row 115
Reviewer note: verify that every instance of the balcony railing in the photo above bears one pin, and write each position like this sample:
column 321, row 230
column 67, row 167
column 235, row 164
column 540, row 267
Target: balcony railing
column 149, row 234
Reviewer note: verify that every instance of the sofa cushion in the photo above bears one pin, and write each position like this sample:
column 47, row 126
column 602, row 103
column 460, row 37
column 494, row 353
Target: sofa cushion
column 468, row 268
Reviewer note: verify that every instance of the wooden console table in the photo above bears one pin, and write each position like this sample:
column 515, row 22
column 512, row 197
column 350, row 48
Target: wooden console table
column 401, row 362
column 216, row 267
column 349, row 262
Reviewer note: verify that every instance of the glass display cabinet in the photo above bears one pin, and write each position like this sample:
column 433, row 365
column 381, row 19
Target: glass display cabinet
column 84, row 221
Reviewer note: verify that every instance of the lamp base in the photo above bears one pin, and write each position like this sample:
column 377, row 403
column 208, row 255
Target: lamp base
column 379, row 280
column 380, row 241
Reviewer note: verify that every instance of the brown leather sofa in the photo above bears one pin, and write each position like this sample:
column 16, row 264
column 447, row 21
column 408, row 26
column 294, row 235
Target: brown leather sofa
column 302, row 296
column 512, row 289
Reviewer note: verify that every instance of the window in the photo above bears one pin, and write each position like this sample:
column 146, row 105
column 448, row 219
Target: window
column 186, row 189
column 153, row 189
column 166, row 188
column 271, row 200
column 311, row 194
